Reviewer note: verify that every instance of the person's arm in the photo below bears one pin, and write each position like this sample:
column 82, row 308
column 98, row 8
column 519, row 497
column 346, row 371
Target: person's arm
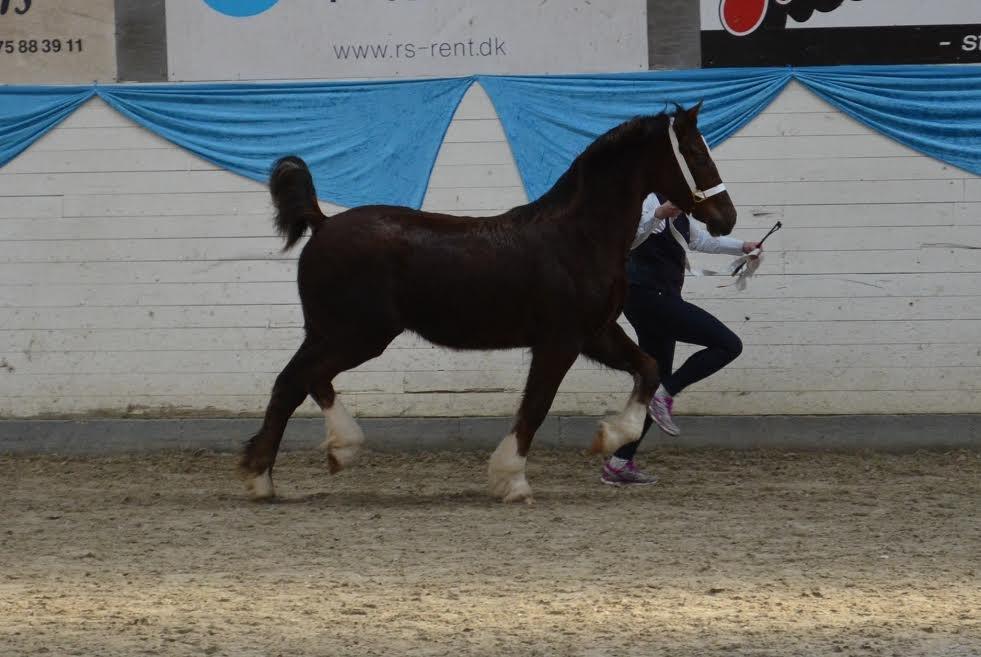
column 701, row 240
column 653, row 215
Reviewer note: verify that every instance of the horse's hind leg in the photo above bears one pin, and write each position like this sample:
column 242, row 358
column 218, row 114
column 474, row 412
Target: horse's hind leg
column 614, row 348
column 310, row 371
column 506, row 469
column 344, row 436
column 289, row 391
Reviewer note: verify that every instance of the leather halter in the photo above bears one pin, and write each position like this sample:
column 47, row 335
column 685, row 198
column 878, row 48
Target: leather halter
column 699, row 195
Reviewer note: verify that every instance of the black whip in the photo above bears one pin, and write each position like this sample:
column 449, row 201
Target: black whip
column 777, row 226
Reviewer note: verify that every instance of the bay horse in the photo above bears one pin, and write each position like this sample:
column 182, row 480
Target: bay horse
column 549, row 276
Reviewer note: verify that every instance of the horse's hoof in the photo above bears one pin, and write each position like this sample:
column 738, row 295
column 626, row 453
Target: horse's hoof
column 608, row 439
column 518, row 491
column 611, row 436
column 260, row 486
column 599, row 443
column 339, row 458
column 341, row 451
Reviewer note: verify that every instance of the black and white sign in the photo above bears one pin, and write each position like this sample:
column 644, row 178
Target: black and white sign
column 831, row 32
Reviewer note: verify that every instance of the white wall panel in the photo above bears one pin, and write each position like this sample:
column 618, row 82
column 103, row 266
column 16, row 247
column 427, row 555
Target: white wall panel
column 136, row 278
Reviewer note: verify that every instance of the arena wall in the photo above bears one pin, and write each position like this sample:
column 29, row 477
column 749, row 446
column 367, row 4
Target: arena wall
column 139, row 280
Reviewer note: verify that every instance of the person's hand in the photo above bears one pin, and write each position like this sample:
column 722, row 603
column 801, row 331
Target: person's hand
column 667, row 210
column 749, row 247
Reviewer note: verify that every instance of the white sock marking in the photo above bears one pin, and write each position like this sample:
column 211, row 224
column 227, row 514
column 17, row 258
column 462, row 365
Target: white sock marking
column 624, row 427
column 344, row 436
column 506, row 471
column 262, row 486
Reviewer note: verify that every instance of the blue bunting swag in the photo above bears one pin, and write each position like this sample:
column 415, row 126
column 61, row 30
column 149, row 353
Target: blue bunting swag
column 935, row 110
column 28, row 113
column 365, row 142
column 550, row 120
column 376, row 142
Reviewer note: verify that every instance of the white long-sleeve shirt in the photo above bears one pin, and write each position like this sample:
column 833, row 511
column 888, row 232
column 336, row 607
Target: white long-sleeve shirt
column 699, row 239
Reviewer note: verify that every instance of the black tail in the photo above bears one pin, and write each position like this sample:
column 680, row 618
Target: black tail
column 291, row 186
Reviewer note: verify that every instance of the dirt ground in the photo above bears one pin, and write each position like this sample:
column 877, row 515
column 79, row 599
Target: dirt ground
column 732, row 553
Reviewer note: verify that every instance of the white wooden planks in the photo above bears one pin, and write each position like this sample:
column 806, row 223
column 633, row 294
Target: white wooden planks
column 136, row 278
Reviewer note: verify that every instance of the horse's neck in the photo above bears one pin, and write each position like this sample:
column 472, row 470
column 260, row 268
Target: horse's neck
column 601, row 204
column 609, row 219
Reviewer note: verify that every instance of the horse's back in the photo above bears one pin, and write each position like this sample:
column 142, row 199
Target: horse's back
column 465, row 282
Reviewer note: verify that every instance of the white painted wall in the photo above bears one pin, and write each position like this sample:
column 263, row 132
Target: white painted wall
column 138, row 279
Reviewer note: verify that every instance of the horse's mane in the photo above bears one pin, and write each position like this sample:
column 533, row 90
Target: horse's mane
column 609, row 144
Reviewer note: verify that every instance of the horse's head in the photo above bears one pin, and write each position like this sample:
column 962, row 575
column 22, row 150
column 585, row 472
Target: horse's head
column 694, row 184
column 662, row 153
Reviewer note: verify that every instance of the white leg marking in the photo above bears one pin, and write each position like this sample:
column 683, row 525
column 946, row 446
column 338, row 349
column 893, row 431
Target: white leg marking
column 622, row 428
column 344, row 437
column 506, row 472
column 261, row 486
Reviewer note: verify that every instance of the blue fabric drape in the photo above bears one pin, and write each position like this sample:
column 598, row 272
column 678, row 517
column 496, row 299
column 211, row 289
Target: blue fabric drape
column 365, row 142
column 935, row 110
column 550, row 120
column 27, row 113
column 376, row 142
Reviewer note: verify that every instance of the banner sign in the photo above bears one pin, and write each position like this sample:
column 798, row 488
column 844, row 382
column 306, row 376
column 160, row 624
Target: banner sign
column 57, row 41
column 212, row 40
column 834, row 32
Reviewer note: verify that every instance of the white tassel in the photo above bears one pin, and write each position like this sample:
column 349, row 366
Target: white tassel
column 747, row 266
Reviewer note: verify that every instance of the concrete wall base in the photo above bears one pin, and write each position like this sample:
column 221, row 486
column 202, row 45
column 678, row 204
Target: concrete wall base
column 837, row 432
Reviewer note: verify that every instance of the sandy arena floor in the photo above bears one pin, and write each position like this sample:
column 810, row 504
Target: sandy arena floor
column 733, row 553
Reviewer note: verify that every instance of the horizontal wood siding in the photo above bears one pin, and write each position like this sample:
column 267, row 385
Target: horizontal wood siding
column 136, row 278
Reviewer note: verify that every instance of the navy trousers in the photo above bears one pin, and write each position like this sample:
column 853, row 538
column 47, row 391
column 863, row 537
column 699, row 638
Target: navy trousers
column 661, row 319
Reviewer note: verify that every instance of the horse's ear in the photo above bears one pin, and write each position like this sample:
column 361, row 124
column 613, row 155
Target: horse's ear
column 680, row 117
column 686, row 119
column 693, row 113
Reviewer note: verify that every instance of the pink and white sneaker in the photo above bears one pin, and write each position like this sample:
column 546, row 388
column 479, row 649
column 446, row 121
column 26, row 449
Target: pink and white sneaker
column 628, row 475
column 660, row 411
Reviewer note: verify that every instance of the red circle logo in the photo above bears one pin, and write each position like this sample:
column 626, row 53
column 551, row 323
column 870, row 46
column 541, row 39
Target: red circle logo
column 741, row 17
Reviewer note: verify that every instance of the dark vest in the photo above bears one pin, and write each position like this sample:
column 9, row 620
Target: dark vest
column 659, row 262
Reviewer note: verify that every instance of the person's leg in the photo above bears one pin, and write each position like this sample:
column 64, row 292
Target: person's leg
column 688, row 323
column 661, row 348
column 642, row 311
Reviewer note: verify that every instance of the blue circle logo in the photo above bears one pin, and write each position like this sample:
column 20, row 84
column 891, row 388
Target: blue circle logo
column 240, row 8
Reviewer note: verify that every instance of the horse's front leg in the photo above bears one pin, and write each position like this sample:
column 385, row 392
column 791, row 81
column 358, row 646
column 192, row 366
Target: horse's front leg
column 614, row 348
column 506, row 470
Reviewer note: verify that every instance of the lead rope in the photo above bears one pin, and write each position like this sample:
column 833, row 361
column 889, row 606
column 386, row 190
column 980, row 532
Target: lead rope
column 694, row 271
